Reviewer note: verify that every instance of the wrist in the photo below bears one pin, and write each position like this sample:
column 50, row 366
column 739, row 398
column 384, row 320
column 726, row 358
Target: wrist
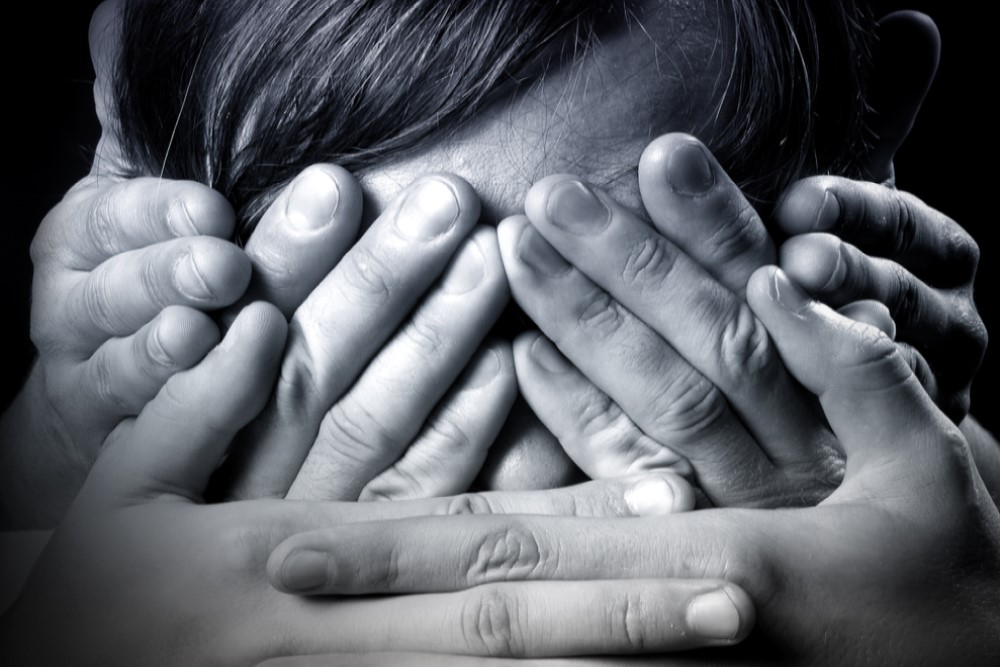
column 40, row 468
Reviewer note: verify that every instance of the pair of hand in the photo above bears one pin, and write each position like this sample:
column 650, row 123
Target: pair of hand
column 902, row 561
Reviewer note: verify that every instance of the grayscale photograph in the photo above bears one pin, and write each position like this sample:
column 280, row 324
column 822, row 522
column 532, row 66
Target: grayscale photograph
column 499, row 333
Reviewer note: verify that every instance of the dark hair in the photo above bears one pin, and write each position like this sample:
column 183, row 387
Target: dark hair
column 243, row 94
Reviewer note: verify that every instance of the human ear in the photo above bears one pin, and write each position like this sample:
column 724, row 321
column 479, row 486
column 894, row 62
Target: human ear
column 906, row 60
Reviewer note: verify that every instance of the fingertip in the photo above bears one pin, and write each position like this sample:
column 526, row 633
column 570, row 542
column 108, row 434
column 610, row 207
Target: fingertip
column 261, row 325
column 321, row 197
column 814, row 261
column 218, row 272
column 659, row 494
column 722, row 615
column 680, row 162
column 193, row 209
column 809, row 205
column 871, row 312
column 435, row 205
column 183, row 336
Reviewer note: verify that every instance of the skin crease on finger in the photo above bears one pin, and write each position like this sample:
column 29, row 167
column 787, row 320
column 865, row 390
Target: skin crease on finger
column 654, row 70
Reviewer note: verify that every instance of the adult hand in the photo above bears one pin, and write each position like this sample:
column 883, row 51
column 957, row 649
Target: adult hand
column 375, row 358
column 139, row 561
column 665, row 358
column 901, row 562
column 866, row 240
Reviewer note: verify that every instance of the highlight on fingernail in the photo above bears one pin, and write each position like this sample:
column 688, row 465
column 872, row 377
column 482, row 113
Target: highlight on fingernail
column 429, row 210
column 313, row 200
column 653, row 496
column 714, row 615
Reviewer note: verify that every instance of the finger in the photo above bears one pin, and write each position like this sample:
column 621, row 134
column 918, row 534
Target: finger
column 543, row 619
column 126, row 373
column 838, row 273
column 95, row 223
column 670, row 401
column 695, row 204
column 709, row 326
column 871, row 398
column 303, row 235
column 594, row 431
column 127, row 291
column 873, row 313
column 906, row 60
column 391, row 659
column 446, row 456
column 347, row 318
column 372, row 424
column 181, row 435
column 882, row 222
column 649, row 494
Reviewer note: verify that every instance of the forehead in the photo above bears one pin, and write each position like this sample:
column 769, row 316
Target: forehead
column 654, row 68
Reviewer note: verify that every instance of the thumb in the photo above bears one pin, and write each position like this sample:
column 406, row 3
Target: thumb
column 874, row 403
column 181, row 436
column 906, row 60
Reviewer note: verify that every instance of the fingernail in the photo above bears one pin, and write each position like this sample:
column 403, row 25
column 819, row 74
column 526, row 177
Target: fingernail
column 429, row 210
column 305, row 570
column 466, row 272
column 827, row 212
column 651, row 497
column 191, row 279
column 573, row 207
column 548, row 357
column 714, row 616
column 787, row 293
column 536, row 252
column 313, row 200
column 486, row 368
column 689, row 171
column 179, row 219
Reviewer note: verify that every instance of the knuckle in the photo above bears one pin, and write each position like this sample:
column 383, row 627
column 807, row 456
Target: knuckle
column 908, row 306
column 600, row 315
column 595, row 411
column 357, row 434
column 425, row 333
column 367, row 277
column 152, row 283
column 628, row 625
column 745, row 348
column 742, row 234
column 649, row 263
column 491, row 623
column 467, row 503
column 101, row 223
column 106, row 388
column 97, row 296
column 244, row 547
column 906, row 225
column 688, row 404
column 509, row 553
column 449, row 437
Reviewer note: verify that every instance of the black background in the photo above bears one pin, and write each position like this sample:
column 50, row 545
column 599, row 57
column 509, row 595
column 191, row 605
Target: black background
column 52, row 130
